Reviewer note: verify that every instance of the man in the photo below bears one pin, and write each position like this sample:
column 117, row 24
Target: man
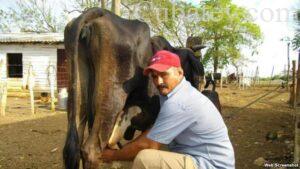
column 188, row 123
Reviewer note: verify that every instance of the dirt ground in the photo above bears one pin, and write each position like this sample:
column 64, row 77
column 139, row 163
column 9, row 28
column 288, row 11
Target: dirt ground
column 36, row 141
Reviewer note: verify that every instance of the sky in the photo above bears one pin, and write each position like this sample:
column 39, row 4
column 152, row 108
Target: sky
column 274, row 19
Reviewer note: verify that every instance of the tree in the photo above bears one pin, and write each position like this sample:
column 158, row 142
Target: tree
column 226, row 29
column 6, row 22
column 165, row 17
column 103, row 3
column 296, row 39
column 115, row 7
column 81, row 5
column 39, row 15
column 31, row 16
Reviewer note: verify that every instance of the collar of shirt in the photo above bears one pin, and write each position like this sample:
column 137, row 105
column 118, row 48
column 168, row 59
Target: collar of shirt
column 175, row 90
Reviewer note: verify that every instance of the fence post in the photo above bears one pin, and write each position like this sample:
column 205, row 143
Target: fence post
column 293, row 92
column 221, row 82
column 271, row 76
column 30, row 86
column 256, row 78
column 298, row 80
column 240, row 81
column 51, row 76
column 297, row 116
column 3, row 88
column 288, row 66
column 297, row 137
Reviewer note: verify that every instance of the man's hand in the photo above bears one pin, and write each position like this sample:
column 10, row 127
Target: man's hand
column 130, row 150
column 108, row 155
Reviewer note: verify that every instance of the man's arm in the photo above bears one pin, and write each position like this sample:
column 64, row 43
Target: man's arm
column 130, row 150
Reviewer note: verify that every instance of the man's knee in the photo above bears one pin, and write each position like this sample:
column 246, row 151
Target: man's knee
column 144, row 159
column 145, row 154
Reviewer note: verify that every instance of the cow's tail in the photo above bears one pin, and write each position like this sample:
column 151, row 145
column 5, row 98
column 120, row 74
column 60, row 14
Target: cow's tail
column 71, row 152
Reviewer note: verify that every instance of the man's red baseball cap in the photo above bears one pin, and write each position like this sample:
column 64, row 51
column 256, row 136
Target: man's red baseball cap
column 162, row 61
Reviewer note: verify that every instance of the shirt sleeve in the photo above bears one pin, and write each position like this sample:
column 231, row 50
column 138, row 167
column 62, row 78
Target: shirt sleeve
column 171, row 121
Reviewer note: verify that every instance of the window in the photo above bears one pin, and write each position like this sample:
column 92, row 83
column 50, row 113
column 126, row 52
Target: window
column 14, row 65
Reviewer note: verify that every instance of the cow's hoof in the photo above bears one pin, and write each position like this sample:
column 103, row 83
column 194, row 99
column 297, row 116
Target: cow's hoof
column 90, row 157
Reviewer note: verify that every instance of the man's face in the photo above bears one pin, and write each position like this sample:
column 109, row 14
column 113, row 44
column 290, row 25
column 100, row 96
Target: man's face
column 166, row 81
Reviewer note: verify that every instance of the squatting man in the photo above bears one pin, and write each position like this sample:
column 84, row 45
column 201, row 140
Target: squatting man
column 188, row 123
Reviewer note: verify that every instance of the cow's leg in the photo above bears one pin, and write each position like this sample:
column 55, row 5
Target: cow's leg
column 86, row 81
column 108, row 96
column 105, row 117
column 71, row 151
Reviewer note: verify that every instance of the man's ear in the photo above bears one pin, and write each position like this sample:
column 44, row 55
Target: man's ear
column 180, row 71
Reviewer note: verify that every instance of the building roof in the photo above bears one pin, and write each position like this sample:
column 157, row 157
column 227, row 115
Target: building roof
column 31, row 38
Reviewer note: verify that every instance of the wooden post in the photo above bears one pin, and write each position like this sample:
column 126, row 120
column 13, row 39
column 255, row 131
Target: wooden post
column 30, row 86
column 257, row 75
column 288, row 67
column 293, row 93
column 226, row 79
column 3, row 90
column 297, row 115
column 221, row 82
column 241, row 81
column 297, row 138
column 255, row 80
column 116, row 7
column 271, row 76
column 51, row 78
column 298, row 81
column 103, row 3
column 3, row 97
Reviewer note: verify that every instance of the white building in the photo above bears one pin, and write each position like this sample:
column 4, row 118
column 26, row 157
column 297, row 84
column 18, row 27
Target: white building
column 19, row 51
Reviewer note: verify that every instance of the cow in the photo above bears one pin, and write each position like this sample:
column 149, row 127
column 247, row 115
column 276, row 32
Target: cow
column 212, row 94
column 231, row 78
column 213, row 77
column 107, row 55
column 244, row 82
